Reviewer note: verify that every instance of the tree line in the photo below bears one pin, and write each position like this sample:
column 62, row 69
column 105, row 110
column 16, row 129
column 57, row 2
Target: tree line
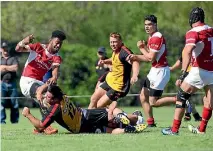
column 88, row 25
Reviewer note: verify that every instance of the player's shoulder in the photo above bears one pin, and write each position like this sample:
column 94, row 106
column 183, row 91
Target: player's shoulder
column 199, row 29
column 157, row 34
column 124, row 49
column 38, row 44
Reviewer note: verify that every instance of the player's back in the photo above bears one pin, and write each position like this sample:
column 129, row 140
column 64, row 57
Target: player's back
column 203, row 53
column 69, row 115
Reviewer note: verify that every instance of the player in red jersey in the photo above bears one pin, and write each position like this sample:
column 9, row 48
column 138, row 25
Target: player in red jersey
column 199, row 47
column 155, row 51
column 41, row 59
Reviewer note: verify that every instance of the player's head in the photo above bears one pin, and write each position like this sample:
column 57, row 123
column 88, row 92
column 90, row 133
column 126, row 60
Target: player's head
column 150, row 24
column 54, row 94
column 115, row 41
column 56, row 41
column 196, row 15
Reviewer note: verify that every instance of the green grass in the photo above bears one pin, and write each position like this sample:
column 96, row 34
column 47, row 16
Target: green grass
column 19, row 137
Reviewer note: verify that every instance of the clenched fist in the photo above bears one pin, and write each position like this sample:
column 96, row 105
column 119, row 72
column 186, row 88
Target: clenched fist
column 28, row 39
column 26, row 111
column 141, row 44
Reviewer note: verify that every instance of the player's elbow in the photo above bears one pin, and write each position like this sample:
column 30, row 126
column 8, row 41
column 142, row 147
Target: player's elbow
column 40, row 127
column 18, row 48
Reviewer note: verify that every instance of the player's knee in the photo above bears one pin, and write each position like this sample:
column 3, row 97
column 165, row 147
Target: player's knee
column 182, row 97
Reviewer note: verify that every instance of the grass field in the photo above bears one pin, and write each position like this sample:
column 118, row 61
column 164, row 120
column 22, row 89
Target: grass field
column 19, row 137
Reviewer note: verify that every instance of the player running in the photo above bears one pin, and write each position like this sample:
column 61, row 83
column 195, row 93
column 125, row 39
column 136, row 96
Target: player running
column 41, row 59
column 199, row 47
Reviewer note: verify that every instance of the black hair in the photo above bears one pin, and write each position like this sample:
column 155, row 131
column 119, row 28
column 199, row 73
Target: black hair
column 151, row 18
column 58, row 34
column 55, row 91
column 197, row 14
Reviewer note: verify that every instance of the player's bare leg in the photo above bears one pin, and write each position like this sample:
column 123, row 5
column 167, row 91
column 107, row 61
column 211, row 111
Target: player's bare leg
column 99, row 92
column 165, row 101
column 207, row 108
column 103, row 101
column 180, row 107
column 144, row 98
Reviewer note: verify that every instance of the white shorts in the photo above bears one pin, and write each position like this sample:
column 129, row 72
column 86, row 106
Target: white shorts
column 159, row 77
column 26, row 83
column 199, row 78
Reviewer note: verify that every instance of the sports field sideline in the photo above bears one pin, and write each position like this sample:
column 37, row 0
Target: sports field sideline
column 19, row 137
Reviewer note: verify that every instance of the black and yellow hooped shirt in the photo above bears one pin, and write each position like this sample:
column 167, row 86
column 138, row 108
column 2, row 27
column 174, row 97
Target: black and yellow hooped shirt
column 119, row 78
column 65, row 114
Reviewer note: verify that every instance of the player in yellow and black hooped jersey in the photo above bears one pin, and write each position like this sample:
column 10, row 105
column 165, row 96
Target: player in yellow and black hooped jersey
column 118, row 80
column 59, row 108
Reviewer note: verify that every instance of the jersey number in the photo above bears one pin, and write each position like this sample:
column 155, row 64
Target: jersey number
column 71, row 110
column 211, row 40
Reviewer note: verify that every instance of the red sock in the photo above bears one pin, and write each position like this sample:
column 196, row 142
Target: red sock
column 150, row 121
column 206, row 115
column 176, row 125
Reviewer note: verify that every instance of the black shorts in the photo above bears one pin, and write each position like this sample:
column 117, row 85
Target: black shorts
column 113, row 94
column 33, row 89
column 94, row 119
column 152, row 92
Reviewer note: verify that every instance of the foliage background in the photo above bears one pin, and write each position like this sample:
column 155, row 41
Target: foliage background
column 87, row 26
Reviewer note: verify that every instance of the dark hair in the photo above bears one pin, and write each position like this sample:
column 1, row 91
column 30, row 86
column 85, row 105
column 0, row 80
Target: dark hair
column 197, row 14
column 58, row 34
column 55, row 91
column 151, row 18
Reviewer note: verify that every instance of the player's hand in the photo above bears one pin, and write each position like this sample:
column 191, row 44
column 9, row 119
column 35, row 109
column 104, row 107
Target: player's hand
column 181, row 78
column 39, row 97
column 141, row 44
column 26, row 111
column 52, row 80
column 134, row 80
column 101, row 63
column 133, row 57
column 178, row 83
column 28, row 39
column 110, row 116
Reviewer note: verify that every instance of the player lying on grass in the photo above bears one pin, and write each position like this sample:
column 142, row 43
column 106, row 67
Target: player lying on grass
column 78, row 120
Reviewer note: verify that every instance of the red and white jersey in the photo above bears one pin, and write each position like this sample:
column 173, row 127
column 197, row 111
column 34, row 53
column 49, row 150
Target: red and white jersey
column 157, row 43
column 201, row 36
column 40, row 61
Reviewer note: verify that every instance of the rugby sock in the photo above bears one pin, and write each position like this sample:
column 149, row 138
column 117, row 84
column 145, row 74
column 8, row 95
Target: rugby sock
column 150, row 121
column 206, row 115
column 176, row 125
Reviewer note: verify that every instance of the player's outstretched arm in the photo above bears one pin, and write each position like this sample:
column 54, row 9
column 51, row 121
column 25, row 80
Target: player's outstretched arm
column 22, row 46
column 135, row 72
column 40, row 90
column 35, row 122
column 54, row 78
column 106, row 61
column 176, row 65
